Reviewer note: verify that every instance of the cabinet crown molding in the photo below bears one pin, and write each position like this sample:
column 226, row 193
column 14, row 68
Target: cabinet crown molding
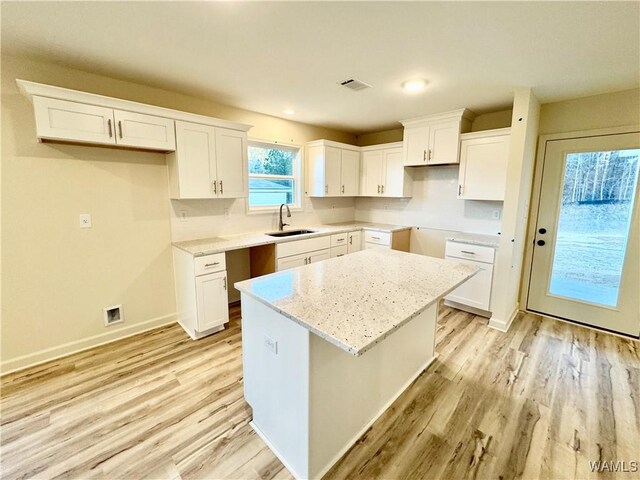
column 454, row 114
column 331, row 143
column 486, row 133
column 31, row 89
column 381, row 146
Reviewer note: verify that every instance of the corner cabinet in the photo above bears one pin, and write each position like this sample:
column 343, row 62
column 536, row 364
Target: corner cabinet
column 333, row 169
column 383, row 173
column 483, row 165
column 435, row 139
column 209, row 162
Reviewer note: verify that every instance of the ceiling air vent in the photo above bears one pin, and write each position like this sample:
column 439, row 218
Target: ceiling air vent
column 355, row 85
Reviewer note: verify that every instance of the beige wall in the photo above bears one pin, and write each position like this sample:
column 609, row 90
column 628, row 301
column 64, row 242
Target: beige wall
column 617, row 109
column 56, row 277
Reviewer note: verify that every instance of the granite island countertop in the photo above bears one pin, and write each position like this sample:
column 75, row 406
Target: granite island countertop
column 208, row 246
column 357, row 300
column 483, row 240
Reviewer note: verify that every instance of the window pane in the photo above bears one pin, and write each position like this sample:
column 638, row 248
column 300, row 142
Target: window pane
column 271, row 161
column 595, row 215
column 265, row 192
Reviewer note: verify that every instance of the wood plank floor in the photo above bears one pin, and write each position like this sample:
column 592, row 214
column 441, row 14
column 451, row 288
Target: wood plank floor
column 537, row 402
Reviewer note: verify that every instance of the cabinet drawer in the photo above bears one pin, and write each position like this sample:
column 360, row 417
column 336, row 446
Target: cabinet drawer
column 338, row 240
column 338, row 251
column 296, row 247
column 380, row 238
column 469, row 252
column 209, row 264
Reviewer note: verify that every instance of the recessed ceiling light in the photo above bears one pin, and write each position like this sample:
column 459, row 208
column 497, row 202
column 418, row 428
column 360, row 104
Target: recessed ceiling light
column 288, row 112
column 413, row 86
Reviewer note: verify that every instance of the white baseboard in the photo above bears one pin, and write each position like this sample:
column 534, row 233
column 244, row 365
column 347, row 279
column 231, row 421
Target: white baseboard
column 53, row 353
column 502, row 325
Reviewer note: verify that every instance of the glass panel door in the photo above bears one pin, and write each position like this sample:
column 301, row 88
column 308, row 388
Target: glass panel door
column 586, row 260
column 593, row 227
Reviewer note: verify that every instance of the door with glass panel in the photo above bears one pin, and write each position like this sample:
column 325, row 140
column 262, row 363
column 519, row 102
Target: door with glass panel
column 586, row 262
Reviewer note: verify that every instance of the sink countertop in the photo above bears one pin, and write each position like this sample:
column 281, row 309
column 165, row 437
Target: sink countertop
column 357, row 300
column 207, row 246
column 476, row 239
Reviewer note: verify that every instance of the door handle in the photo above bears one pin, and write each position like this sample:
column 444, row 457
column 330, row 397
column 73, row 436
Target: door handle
column 110, row 129
column 120, row 128
column 382, row 189
column 424, row 155
column 225, row 282
column 430, row 154
column 221, row 188
column 378, row 188
column 540, row 243
column 215, row 187
column 207, row 265
column 468, row 252
column 350, row 240
column 326, row 189
column 342, row 188
column 459, row 190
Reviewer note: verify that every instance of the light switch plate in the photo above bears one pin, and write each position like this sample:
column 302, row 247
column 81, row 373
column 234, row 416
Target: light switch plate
column 495, row 215
column 85, row 220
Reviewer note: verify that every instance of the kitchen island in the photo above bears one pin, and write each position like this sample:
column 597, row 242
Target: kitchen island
column 328, row 347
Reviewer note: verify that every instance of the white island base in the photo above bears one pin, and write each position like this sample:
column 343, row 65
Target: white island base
column 312, row 400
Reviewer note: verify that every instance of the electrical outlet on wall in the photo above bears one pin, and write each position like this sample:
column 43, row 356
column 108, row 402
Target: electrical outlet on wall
column 495, row 215
column 85, row 220
column 271, row 344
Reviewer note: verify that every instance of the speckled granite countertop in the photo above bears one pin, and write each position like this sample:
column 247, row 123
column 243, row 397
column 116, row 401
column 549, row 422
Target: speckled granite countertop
column 476, row 239
column 357, row 300
column 208, row 246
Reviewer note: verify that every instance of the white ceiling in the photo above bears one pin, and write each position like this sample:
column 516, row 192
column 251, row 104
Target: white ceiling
column 268, row 57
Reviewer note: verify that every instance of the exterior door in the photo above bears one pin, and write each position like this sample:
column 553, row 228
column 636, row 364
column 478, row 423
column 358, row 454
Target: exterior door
column 586, row 262
column 232, row 163
column 212, row 302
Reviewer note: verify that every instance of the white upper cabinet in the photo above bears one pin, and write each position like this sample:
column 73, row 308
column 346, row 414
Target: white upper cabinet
column 434, row 139
column 383, row 172
column 333, row 169
column 144, row 131
column 208, row 162
column 231, row 162
column 81, row 123
column 483, row 164
column 73, row 116
column 63, row 120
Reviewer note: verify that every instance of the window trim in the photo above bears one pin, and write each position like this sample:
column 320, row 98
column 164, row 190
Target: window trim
column 297, row 177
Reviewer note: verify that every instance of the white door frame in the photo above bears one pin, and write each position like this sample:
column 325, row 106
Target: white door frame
column 535, row 200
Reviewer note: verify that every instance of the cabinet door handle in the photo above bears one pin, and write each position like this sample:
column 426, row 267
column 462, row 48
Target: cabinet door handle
column 468, row 252
column 382, row 189
column 459, row 190
column 350, row 239
column 430, row 154
column 207, row 265
column 326, row 189
column 120, row 128
column 342, row 188
column 215, row 187
column 221, row 189
column 225, row 282
column 110, row 128
column 341, row 255
column 305, row 260
column 424, row 155
column 340, row 240
column 378, row 188
column 376, row 238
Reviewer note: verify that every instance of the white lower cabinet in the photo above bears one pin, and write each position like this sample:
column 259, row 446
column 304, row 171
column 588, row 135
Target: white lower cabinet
column 303, row 259
column 377, row 239
column 354, row 241
column 475, row 292
column 339, row 251
column 201, row 292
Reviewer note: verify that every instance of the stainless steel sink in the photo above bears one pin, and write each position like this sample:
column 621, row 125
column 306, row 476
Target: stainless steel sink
column 290, row 233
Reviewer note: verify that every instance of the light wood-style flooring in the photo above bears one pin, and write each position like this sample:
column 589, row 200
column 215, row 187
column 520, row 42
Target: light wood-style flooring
column 537, row 402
